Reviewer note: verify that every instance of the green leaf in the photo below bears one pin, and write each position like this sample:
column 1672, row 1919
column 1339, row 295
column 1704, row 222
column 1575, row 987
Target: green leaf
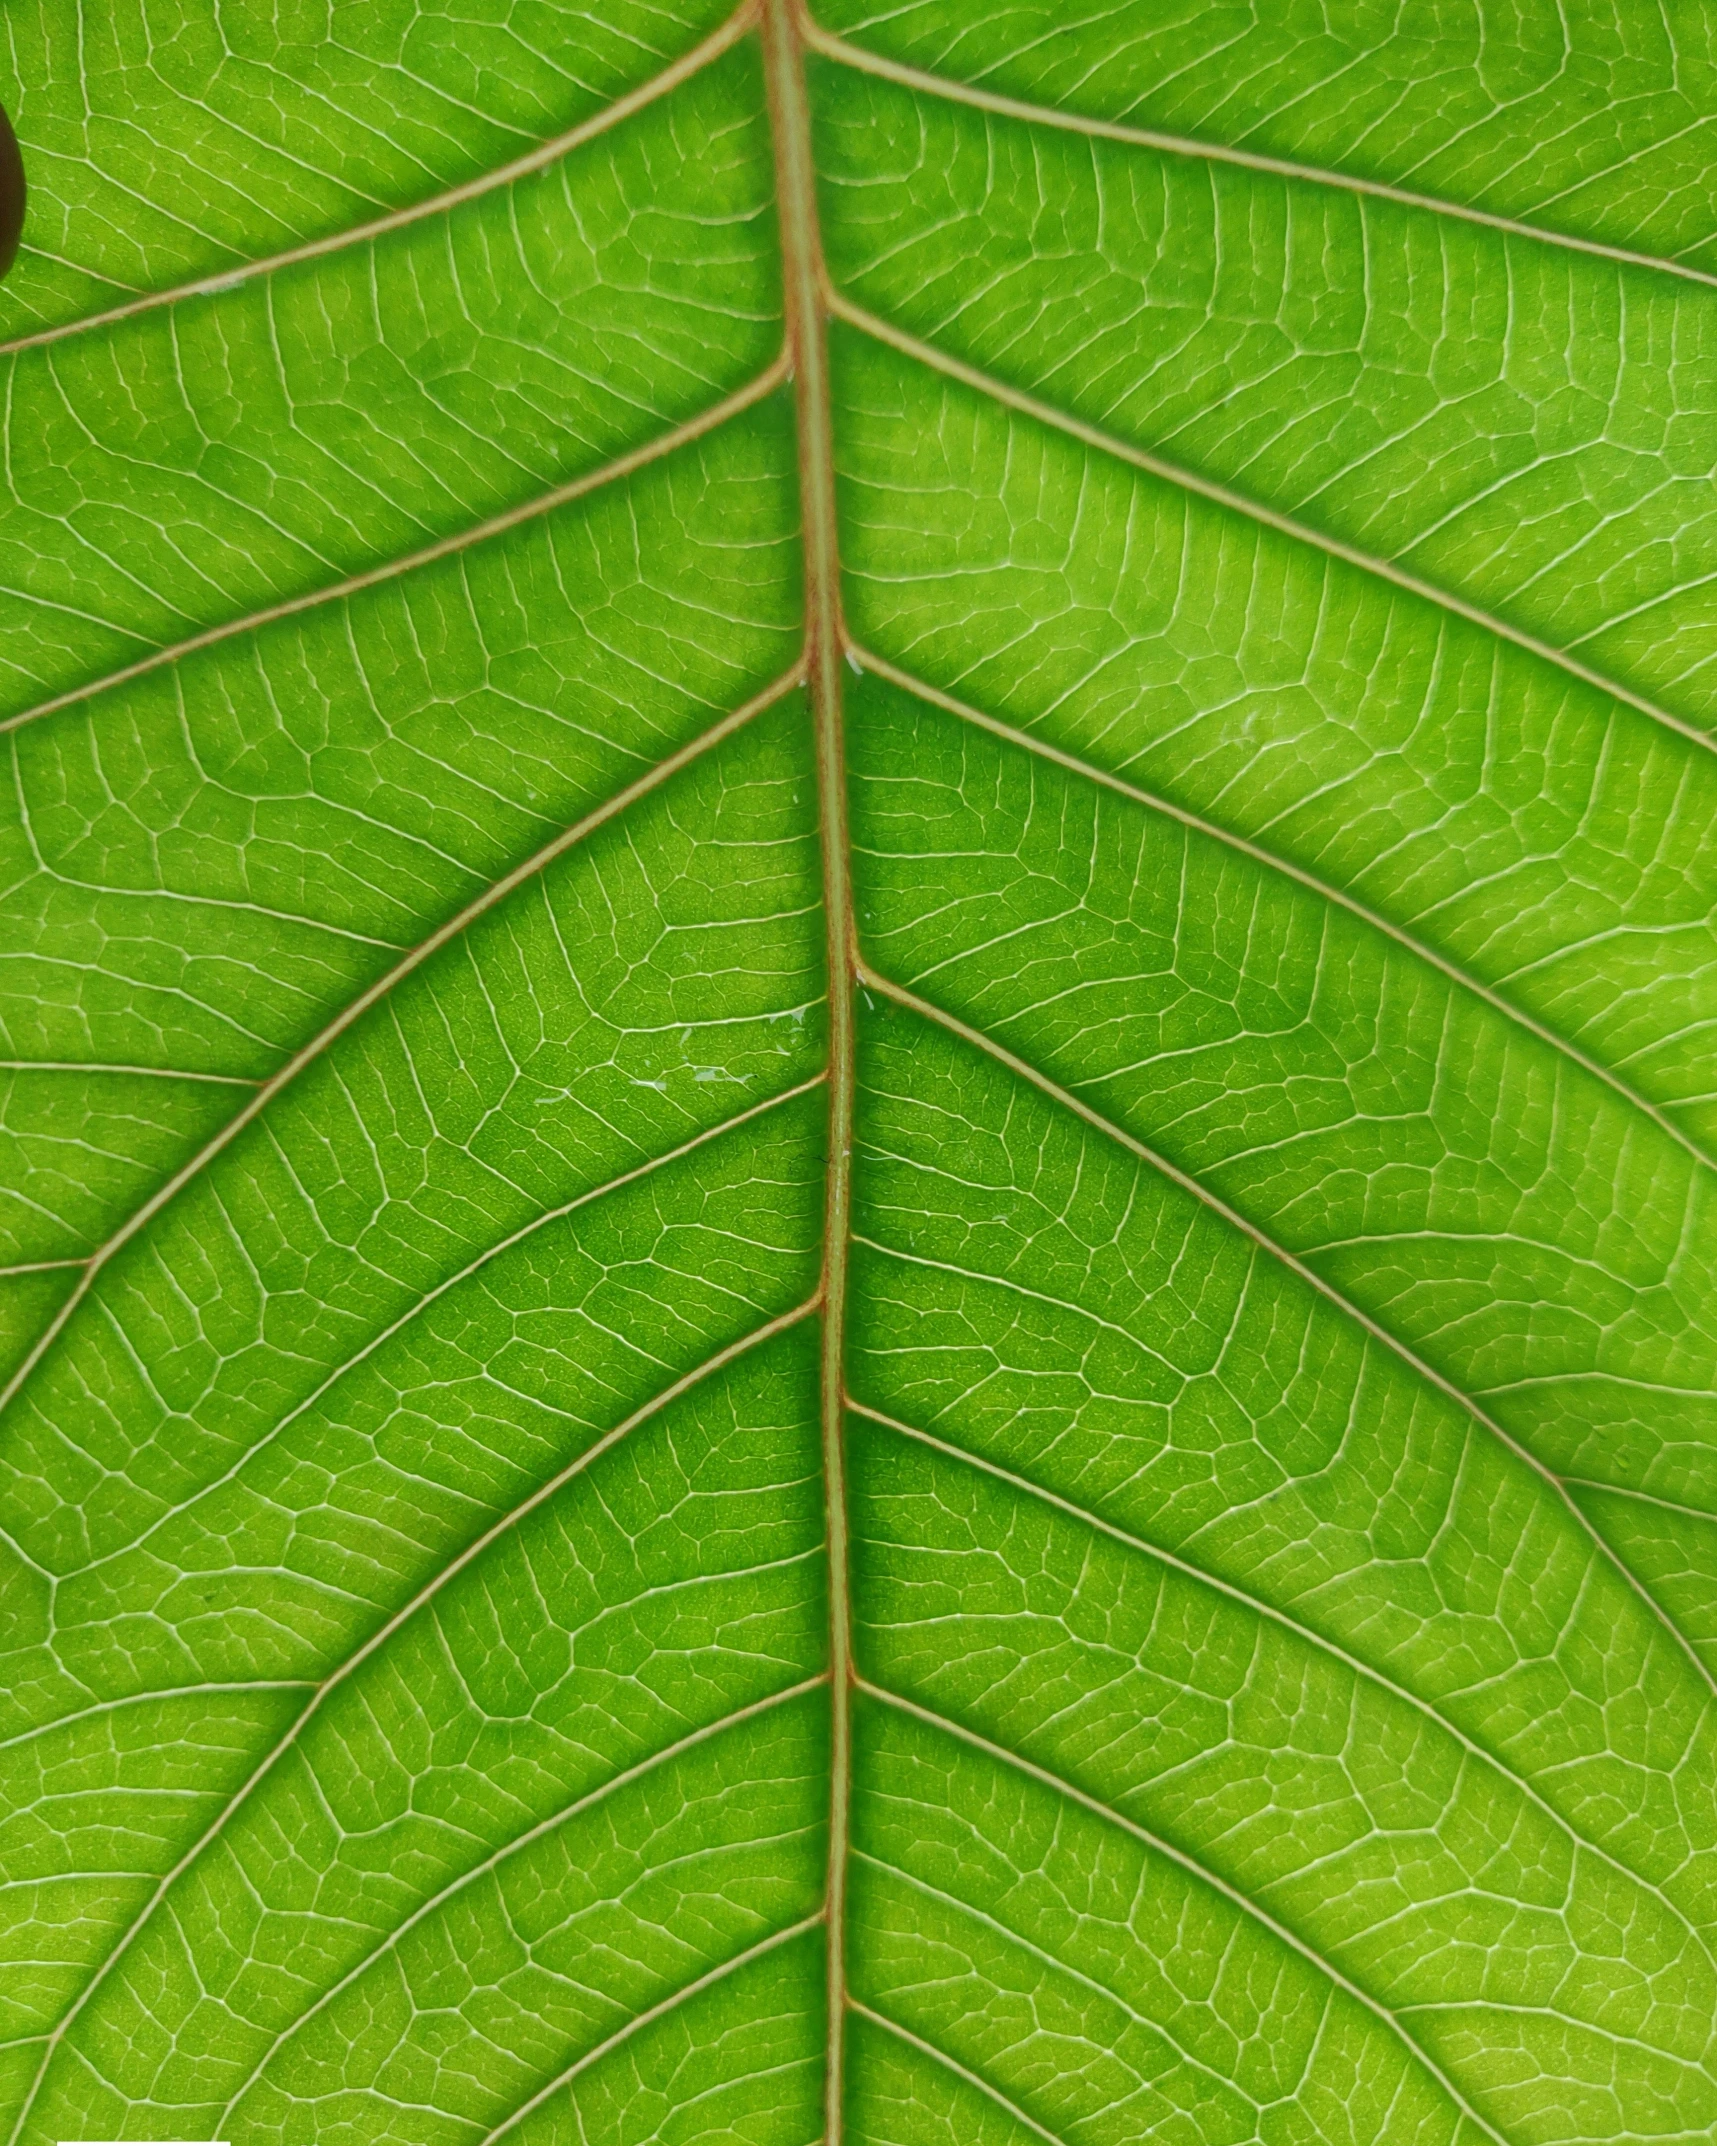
column 860, row 1263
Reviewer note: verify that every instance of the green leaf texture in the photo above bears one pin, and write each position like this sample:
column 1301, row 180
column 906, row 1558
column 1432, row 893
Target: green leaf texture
column 858, row 1009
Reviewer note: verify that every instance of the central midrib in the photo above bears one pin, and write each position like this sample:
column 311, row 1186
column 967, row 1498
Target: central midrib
column 805, row 297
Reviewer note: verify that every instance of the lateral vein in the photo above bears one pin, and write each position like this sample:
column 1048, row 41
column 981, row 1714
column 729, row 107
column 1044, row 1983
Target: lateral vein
column 959, row 2070
column 496, row 892
column 948, row 91
column 490, row 1253
column 1248, row 1907
column 1306, row 1634
column 436, row 204
column 908, row 682
column 1023, row 1069
column 530, row 510
column 670, row 2003
column 1222, row 495
column 592, row 1799
column 345, row 1669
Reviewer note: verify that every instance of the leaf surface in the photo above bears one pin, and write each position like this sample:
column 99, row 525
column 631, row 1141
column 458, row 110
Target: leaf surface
column 858, row 1201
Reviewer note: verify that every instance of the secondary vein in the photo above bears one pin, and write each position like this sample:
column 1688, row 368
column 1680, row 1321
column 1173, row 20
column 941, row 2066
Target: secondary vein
column 1301, row 1631
column 670, row 2003
column 1221, row 495
column 949, row 91
column 1023, row 1069
column 592, row 1798
column 1156, row 1844
column 422, row 1303
column 342, row 1672
column 436, row 204
column 460, row 540
column 497, row 892
column 1274, row 861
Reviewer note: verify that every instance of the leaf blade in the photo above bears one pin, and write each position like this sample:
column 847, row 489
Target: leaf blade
column 1275, row 1332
